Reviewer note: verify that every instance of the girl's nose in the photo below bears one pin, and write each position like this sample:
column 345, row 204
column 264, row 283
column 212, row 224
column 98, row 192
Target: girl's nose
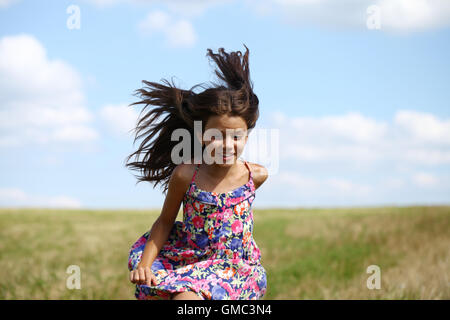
column 229, row 143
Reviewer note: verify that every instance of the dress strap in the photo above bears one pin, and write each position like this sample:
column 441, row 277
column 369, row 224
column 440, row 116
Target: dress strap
column 251, row 182
column 248, row 167
column 195, row 172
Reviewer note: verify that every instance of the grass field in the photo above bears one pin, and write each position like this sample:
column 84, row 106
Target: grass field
column 307, row 253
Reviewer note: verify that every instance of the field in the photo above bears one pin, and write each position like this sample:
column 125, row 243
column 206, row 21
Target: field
column 307, row 253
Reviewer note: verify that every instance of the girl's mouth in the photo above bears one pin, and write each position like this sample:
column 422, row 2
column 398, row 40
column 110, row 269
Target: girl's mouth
column 227, row 157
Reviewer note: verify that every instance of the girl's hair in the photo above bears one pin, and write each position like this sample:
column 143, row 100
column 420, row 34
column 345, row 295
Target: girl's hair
column 179, row 108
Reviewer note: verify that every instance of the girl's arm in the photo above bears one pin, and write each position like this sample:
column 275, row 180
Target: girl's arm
column 178, row 184
column 162, row 226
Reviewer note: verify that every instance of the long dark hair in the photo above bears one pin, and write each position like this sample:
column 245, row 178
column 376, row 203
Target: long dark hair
column 174, row 108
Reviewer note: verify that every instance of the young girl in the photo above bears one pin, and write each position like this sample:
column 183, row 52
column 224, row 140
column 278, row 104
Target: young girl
column 211, row 254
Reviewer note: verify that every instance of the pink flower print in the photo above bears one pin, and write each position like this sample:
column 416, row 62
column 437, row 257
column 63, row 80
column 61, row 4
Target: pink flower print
column 247, row 237
column 188, row 279
column 191, row 260
column 227, row 214
column 212, row 278
column 203, row 284
column 227, row 274
column 236, row 227
column 170, row 279
column 188, row 253
column 244, row 204
column 236, row 260
column 189, row 209
column 205, row 264
column 198, row 206
column 256, row 254
column 220, row 246
column 178, row 244
column 238, row 209
column 210, row 233
column 195, row 285
column 176, row 258
column 167, row 265
column 215, row 260
column 245, row 270
column 254, row 285
column 142, row 296
column 214, row 215
column 142, row 240
column 198, row 222
column 161, row 273
column 235, row 295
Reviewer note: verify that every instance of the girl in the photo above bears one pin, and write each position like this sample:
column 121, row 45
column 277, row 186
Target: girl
column 211, row 254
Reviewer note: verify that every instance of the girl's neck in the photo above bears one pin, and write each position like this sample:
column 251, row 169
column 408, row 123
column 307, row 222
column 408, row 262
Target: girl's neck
column 220, row 171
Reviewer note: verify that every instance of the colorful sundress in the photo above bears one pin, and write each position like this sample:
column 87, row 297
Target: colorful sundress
column 211, row 252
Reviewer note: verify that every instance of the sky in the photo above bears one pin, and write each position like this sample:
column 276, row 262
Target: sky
column 354, row 96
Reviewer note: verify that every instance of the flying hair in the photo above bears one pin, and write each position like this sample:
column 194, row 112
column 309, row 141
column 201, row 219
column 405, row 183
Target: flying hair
column 167, row 108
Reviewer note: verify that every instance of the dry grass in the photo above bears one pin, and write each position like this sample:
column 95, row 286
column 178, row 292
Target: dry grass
column 307, row 253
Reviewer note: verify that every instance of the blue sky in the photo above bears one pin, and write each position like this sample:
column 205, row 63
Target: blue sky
column 362, row 114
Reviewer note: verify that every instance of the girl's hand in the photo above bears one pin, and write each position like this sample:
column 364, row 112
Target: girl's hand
column 143, row 275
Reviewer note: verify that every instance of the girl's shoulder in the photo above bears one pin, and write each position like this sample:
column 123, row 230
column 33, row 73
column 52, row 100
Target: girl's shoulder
column 259, row 173
column 184, row 171
column 180, row 179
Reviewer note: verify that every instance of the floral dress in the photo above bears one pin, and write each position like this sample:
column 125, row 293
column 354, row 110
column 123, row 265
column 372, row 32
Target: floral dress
column 211, row 252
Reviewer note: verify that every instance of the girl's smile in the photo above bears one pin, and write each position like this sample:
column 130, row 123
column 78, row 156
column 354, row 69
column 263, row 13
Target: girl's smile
column 230, row 138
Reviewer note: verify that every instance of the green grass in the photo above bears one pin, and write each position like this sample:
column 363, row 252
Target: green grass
column 307, row 253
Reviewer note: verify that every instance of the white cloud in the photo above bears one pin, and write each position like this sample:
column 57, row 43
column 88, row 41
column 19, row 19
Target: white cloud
column 395, row 15
column 423, row 127
column 178, row 33
column 296, row 180
column 353, row 139
column 412, row 15
column 42, row 98
column 194, row 7
column 7, row 3
column 14, row 197
column 187, row 8
column 181, row 34
column 155, row 21
column 120, row 119
column 348, row 187
column 104, row 3
column 351, row 127
column 300, row 184
column 423, row 179
column 355, row 159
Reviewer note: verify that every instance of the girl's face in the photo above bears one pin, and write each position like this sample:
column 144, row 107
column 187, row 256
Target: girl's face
column 225, row 138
